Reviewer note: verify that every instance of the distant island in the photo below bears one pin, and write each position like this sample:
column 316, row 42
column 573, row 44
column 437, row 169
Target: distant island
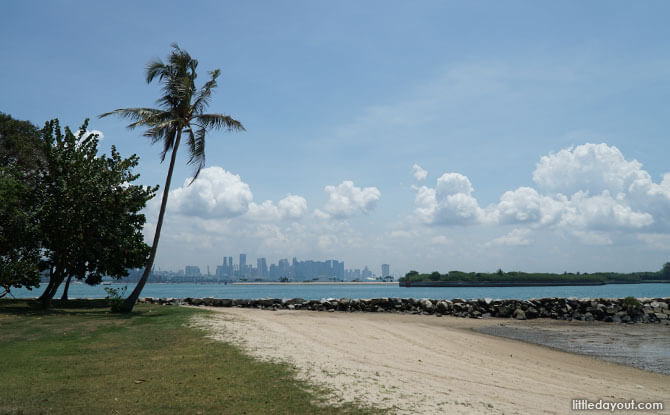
column 517, row 278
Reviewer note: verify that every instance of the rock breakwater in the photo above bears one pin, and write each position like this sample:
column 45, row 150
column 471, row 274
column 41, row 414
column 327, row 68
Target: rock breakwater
column 614, row 310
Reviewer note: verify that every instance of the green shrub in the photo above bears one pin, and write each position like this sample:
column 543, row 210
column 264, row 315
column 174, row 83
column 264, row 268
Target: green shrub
column 115, row 298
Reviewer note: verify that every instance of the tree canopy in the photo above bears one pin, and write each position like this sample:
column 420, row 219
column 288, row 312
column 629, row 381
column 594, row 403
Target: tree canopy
column 19, row 236
column 90, row 220
column 65, row 208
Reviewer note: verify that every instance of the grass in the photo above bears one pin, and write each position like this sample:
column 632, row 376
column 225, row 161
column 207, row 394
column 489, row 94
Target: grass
column 88, row 361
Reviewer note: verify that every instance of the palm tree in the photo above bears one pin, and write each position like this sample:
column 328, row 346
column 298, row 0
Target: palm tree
column 181, row 111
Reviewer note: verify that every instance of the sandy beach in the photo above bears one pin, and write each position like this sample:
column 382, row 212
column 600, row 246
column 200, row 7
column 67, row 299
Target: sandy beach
column 425, row 364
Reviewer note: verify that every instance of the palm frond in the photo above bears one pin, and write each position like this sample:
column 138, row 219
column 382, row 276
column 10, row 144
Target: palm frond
column 204, row 95
column 132, row 113
column 156, row 68
column 196, row 155
column 218, row 121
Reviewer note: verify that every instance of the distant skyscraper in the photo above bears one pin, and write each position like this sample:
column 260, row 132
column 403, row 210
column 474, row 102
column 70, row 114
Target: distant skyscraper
column 386, row 270
column 243, row 264
column 262, row 266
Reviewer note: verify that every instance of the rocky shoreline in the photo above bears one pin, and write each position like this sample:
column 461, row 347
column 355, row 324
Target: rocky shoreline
column 613, row 310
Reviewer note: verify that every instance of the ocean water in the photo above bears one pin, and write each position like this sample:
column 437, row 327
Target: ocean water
column 320, row 291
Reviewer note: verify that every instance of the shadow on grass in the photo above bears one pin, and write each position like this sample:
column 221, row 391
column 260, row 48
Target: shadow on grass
column 33, row 307
column 93, row 308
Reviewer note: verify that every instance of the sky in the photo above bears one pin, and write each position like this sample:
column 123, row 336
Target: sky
column 429, row 135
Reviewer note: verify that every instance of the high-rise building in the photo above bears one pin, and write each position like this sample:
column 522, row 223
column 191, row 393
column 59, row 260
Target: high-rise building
column 243, row 264
column 262, row 267
column 386, row 270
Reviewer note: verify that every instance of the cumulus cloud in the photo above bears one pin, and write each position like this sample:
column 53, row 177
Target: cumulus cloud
column 216, row 193
column 291, row 207
column 419, row 173
column 589, row 168
column 587, row 190
column 602, row 212
column 347, row 199
column 526, row 205
column 449, row 203
column 220, row 194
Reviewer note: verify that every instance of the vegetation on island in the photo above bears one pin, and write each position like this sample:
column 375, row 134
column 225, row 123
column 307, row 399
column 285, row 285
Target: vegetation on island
column 66, row 209
column 181, row 112
column 525, row 277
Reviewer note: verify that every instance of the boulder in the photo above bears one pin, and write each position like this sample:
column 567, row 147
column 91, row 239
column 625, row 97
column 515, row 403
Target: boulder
column 519, row 314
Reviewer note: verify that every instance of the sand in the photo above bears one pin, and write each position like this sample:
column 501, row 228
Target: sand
column 424, row 364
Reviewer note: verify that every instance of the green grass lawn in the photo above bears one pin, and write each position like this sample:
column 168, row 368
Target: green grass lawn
column 89, row 361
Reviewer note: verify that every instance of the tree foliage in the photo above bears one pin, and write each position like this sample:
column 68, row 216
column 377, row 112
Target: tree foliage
column 19, row 236
column 19, row 143
column 89, row 217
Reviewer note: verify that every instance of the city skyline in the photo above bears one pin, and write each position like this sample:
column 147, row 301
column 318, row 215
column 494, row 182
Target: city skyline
column 229, row 270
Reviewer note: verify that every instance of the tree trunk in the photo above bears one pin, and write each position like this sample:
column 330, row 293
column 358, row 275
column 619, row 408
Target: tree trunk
column 55, row 280
column 67, row 287
column 132, row 298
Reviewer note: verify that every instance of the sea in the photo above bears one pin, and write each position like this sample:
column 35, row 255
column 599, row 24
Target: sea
column 356, row 290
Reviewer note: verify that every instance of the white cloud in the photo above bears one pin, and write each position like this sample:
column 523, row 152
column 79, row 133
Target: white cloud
column 419, row 173
column 602, row 212
column 216, row 193
column 586, row 190
column 449, row 203
column 526, row 205
column 291, row 207
column 589, row 168
column 346, row 200
column 220, row 194
column 516, row 237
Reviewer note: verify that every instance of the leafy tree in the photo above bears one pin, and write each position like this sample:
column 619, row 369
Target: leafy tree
column 181, row 111
column 90, row 220
column 19, row 238
column 19, row 143
column 665, row 271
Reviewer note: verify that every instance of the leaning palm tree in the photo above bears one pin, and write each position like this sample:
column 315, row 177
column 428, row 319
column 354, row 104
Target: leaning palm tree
column 181, row 111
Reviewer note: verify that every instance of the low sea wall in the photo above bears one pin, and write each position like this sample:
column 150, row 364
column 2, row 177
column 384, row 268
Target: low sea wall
column 615, row 310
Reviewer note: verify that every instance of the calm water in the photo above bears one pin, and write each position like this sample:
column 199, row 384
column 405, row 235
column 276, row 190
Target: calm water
column 362, row 291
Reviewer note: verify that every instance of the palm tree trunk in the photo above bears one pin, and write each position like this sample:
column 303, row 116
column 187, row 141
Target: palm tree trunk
column 132, row 298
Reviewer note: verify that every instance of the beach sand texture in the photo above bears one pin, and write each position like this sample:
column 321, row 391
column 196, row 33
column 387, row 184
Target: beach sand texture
column 424, row 364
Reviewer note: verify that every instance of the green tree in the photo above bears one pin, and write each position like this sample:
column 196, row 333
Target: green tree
column 19, row 143
column 89, row 214
column 665, row 271
column 19, row 238
column 181, row 111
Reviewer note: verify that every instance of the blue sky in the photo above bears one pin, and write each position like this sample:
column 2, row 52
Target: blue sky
column 541, row 126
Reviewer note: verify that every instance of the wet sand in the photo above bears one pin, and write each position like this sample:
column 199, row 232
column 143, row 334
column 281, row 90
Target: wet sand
column 645, row 346
column 425, row 364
